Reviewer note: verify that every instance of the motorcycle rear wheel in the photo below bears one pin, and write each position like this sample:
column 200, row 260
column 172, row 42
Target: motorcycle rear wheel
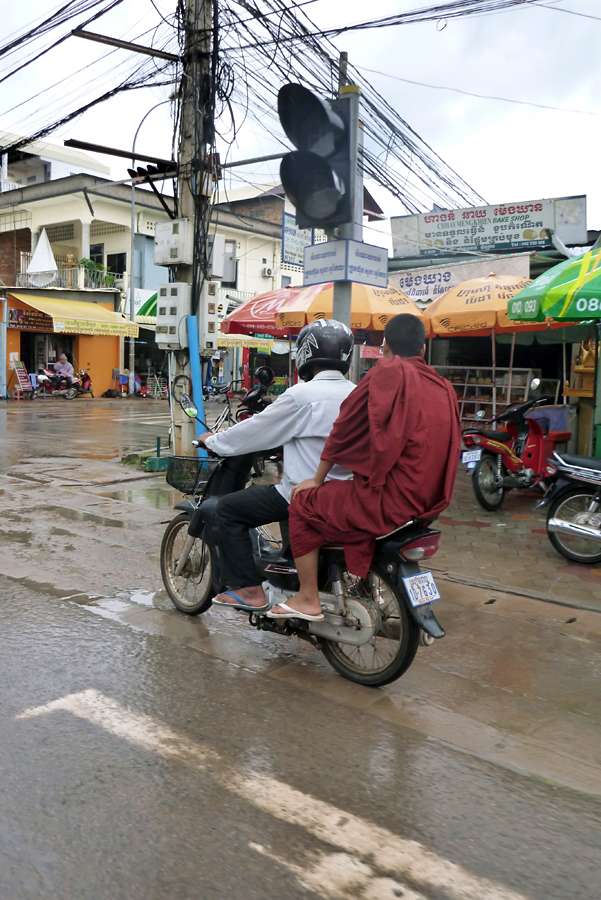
column 70, row 393
column 569, row 507
column 392, row 649
column 191, row 592
column 487, row 494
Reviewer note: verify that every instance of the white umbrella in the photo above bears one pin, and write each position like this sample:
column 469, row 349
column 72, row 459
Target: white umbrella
column 42, row 269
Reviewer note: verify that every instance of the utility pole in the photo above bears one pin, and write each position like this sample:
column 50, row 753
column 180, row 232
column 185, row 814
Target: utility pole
column 192, row 181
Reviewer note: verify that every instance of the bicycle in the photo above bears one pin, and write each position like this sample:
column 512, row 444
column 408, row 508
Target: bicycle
column 226, row 417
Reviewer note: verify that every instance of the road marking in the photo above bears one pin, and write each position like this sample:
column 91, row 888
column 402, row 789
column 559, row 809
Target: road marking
column 365, row 847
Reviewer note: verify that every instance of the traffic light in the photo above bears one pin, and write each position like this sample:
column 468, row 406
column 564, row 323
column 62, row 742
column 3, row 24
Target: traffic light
column 319, row 177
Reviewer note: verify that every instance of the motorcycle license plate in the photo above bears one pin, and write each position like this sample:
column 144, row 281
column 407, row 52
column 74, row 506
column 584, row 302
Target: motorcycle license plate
column 471, row 456
column 421, row 588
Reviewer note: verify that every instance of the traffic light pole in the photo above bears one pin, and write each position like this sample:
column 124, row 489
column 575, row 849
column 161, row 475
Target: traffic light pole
column 353, row 230
column 194, row 79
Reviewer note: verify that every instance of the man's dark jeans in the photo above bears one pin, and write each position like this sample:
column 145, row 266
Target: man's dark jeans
column 236, row 513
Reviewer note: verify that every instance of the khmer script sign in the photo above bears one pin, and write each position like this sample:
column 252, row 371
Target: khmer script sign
column 427, row 283
column 510, row 226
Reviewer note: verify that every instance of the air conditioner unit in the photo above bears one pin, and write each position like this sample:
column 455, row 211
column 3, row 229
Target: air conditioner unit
column 267, row 272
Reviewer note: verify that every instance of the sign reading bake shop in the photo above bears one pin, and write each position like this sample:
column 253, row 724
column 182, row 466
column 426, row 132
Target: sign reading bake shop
column 503, row 226
column 29, row 320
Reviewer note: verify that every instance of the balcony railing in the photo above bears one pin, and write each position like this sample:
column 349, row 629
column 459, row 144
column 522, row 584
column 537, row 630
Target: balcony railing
column 76, row 277
column 8, row 186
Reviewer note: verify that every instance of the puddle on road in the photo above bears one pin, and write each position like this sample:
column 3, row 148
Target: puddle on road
column 157, row 498
column 76, row 515
column 16, row 537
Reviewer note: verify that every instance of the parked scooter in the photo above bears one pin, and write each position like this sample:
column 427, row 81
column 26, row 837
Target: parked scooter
column 505, row 460
column 372, row 626
column 46, row 380
column 85, row 384
column 574, row 495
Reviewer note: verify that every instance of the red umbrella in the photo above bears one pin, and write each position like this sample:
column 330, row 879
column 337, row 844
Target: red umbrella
column 257, row 316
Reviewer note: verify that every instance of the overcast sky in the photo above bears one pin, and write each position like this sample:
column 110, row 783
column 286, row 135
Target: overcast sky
column 506, row 151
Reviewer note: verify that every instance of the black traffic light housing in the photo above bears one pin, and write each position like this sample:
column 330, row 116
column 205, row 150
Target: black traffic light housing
column 318, row 177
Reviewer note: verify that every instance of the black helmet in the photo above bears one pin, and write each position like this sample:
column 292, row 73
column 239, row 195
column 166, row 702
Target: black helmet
column 325, row 343
column 265, row 375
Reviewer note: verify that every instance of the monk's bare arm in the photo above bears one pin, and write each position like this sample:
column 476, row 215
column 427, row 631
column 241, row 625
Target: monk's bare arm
column 318, row 479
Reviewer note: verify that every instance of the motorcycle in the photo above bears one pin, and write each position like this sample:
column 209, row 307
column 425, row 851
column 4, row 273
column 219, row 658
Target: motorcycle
column 255, row 400
column 372, row 626
column 46, row 380
column 506, row 460
column 85, row 384
column 574, row 498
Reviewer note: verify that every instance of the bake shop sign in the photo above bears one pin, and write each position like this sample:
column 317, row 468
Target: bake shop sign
column 503, row 226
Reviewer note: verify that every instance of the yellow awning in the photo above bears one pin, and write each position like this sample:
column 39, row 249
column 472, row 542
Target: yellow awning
column 76, row 317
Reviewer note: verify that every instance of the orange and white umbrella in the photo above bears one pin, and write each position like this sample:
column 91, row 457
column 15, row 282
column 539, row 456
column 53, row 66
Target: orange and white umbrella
column 371, row 307
column 477, row 307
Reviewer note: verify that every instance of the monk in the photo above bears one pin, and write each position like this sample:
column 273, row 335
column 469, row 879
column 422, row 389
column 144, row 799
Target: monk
column 399, row 433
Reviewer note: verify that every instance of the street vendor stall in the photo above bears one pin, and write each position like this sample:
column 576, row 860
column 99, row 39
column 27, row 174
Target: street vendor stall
column 571, row 291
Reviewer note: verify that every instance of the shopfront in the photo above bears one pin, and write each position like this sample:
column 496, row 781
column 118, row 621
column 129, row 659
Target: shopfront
column 43, row 326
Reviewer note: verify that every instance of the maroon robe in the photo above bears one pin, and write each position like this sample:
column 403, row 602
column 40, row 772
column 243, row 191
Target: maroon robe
column 399, row 433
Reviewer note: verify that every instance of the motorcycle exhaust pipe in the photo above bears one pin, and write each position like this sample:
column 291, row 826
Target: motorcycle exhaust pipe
column 559, row 526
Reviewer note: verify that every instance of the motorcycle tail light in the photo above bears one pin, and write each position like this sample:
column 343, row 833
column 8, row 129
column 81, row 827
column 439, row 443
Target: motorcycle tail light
column 419, row 549
column 476, row 439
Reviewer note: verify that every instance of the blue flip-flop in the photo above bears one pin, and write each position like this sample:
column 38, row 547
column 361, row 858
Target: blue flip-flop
column 240, row 604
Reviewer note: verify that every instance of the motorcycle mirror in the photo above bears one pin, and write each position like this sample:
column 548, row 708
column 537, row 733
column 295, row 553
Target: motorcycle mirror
column 534, row 384
column 188, row 406
column 479, row 414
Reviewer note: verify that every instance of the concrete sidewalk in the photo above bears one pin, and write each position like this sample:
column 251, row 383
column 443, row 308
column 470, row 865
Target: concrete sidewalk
column 509, row 550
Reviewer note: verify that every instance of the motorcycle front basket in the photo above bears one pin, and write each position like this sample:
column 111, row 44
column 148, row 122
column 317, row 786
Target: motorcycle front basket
column 189, row 474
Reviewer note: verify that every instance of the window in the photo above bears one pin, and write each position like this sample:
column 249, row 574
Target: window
column 116, row 263
column 31, row 179
column 97, row 254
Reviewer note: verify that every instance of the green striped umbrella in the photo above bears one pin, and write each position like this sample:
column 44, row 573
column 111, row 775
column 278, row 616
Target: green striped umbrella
column 570, row 291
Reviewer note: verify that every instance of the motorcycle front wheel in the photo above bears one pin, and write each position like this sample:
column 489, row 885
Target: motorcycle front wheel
column 488, row 495
column 191, row 591
column 574, row 507
column 392, row 649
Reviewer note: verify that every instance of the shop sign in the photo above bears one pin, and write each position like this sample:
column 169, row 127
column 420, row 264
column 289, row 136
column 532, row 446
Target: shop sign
column 428, row 282
column 22, row 376
column 89, row 326
column 29, row 320
column 504, row 226
column 294, row 240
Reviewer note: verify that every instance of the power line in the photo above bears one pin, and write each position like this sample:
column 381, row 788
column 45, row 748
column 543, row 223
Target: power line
column 443, row 87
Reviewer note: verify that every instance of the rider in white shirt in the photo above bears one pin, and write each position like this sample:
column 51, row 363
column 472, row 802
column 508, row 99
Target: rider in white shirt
column 300, row 421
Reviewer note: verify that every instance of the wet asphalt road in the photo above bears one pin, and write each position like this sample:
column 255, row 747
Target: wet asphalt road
column 145, row 754
column 87, row 813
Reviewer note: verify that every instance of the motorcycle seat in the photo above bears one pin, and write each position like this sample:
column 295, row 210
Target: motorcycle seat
column 582, row 462
column 502, row 436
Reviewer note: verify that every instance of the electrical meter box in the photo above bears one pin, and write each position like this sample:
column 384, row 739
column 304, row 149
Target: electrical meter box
column 173, row 243
column 216, row 254
column 208, row 319
column 174, row 303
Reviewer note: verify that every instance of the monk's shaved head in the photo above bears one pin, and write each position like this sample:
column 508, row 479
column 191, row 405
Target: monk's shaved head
column 405, row 335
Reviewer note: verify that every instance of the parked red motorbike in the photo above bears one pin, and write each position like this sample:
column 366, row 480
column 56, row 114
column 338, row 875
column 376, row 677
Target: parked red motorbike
column 85, row 383
column 505, row 460
column 46, row 379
